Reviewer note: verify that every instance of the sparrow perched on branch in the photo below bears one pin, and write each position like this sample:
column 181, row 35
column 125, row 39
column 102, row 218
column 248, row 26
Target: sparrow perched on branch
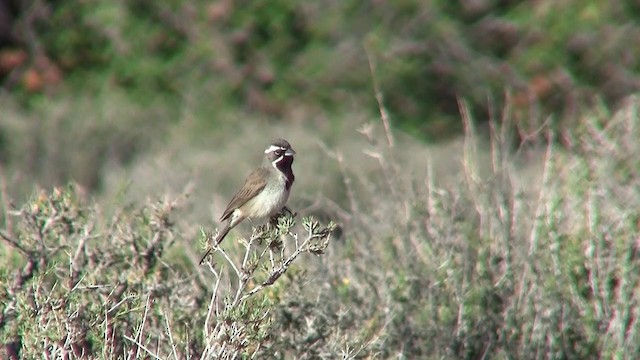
column 265, row 191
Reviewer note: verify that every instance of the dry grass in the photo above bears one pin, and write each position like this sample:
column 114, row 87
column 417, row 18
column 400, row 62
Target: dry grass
column 470, row 250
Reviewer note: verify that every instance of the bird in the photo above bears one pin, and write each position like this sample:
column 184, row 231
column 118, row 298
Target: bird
column 265, row 191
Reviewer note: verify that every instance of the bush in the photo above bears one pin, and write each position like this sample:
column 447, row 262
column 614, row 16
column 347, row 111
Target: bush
column 505, row 259
column 80, row 284
column 272, row 58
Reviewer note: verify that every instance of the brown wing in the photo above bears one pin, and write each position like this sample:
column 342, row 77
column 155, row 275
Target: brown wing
column 255, row 182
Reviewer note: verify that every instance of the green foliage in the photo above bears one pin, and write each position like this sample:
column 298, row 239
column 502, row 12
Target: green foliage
column 268, row 56
column 135, row 42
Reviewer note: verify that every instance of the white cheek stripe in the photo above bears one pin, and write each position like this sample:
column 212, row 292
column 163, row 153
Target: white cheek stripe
column 273, row 148
column 276, row 161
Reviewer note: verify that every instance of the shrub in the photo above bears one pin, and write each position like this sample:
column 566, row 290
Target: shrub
column 81, row 284
column 528, row 253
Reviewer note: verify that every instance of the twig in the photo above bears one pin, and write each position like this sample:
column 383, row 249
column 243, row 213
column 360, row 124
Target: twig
column 6, row 237
column 384, row 115
column 75, row 269
column 116, row 305
column 275, row 275
column 351, row 195
column 144, row 320
column 5, row 201
column 142, row 347
column 243, row 278
column 226, row 256
column 212, row 303
column 173, row 345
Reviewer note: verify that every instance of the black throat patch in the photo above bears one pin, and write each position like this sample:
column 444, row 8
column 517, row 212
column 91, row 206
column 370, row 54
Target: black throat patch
column 284, row 166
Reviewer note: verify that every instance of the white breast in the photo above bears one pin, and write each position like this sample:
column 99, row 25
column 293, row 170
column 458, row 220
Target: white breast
column 270, row 200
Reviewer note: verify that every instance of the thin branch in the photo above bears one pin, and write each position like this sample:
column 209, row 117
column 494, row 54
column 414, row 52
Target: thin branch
column 212, row 303
column 275, row 275
column 173, row 345
column 142, row 347
column 384, row 115
column 351, row 194
column 6, row 205
column 247, row 246
column 6, row 237
column 226, row 256
column 141, row 330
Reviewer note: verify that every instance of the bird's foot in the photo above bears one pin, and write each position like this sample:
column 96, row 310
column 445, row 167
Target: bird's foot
column 285, row 211
column 273, row 222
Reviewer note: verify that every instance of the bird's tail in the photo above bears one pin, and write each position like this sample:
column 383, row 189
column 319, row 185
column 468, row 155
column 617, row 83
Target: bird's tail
column 217, row 241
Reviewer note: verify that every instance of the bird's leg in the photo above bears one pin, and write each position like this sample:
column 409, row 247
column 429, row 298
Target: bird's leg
column 258, row 228
column 285, row 210
column 273, row 222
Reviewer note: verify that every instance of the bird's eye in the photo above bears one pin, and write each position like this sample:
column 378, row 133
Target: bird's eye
column 278, row 152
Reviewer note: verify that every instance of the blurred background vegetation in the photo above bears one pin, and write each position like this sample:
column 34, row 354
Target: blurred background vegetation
column 135, row 99
column 162, row 65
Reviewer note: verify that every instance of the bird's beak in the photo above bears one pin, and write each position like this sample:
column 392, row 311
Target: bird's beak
column 289, row 152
